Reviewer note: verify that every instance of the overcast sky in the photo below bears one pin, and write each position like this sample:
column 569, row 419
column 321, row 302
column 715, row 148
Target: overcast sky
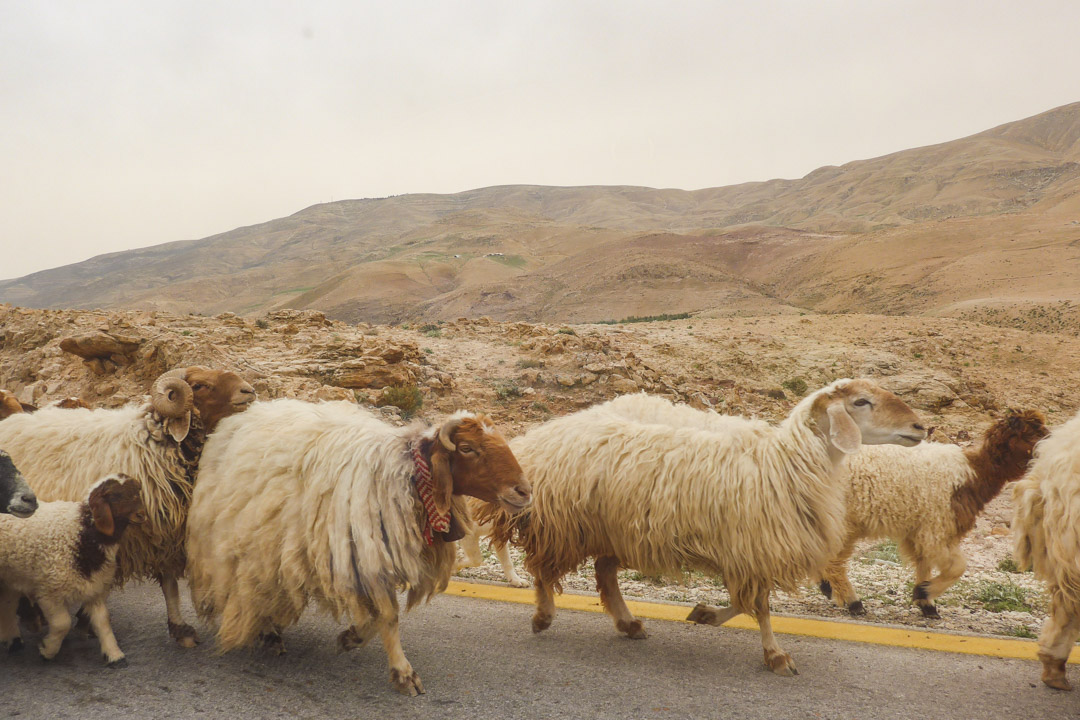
column 126, row 124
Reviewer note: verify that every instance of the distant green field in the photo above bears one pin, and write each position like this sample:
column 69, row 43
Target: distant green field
column 514, row 261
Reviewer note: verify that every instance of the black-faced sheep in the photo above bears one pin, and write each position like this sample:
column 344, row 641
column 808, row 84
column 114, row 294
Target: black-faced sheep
column 63, row 556
column 1046, row 530
column 298, row 501
column 927, row 500
column 758, row 506
column 64, row 452
column 16, row 497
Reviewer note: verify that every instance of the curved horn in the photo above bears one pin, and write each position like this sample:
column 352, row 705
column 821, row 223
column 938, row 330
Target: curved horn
column 444, row 433
column 171, row 396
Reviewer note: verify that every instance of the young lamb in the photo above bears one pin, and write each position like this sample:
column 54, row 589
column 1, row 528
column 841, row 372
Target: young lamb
column 1046, row 530
column 298, row 501
column 927, row 499
column 64, row 452
column 470, row 546
column 65, row 555
column 756, row 505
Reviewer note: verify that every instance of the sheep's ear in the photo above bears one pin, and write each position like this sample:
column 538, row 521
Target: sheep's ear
column 178, row 428
column 441, row 478
column 102, row 515
column 843, row 432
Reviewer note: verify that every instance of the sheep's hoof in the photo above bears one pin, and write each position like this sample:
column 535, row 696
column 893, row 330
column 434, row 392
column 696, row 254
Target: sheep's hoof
column 183, row 634
column 921, row 591
column 702, row 614
column 1053, row 674
column 406, row 682
column 15, row 645
column 856, row 608
column 351, row 638
column 120, row 662
column 272, row 642
column 781, row 664
column 633, row 629
column 541, row 622
column 930, row 612
column 44, row 656
column 517, row 582
column 826, row 588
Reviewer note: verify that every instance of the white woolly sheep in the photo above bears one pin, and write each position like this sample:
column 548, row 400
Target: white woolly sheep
column 16, row 497
column 65, row 555
column 927, row 499
column 298, row 501
column 760, row 507
column 64, row 452
column 1046, row 530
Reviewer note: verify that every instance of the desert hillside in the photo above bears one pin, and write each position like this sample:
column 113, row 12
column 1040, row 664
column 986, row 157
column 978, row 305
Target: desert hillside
column 985, row 227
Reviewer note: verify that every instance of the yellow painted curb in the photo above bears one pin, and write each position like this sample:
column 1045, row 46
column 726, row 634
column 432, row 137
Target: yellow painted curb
column 853, row 632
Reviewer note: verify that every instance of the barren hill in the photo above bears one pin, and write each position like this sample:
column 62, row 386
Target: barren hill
column 987, row 226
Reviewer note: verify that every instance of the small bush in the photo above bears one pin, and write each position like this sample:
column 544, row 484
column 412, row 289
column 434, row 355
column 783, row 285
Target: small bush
column 507, row 391
column 1008, row 565
column 540, row 407
column 796, row 385
column 525, row 363
column 185, row 333
column 262, row 324
column 407, row 398
column 998, row 597
column 565, row 331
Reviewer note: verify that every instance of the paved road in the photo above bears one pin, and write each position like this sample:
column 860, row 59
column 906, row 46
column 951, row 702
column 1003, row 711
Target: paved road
column 479, row 660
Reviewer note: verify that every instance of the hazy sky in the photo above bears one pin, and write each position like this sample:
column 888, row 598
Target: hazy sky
column 126, row 124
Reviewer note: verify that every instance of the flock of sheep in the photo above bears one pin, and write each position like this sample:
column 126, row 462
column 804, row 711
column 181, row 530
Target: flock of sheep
column 267, row 507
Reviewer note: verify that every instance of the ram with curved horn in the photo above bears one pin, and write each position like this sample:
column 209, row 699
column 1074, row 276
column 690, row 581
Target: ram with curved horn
column 63, row 452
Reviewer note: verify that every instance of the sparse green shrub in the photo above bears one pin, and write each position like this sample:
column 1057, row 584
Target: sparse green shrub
column 997, row 597
column 1022, row 631
column 540, row 407
column 507, row 391
column 526, row 363
column 1008, row 565
column 185, row 333
column 262, row 324
column 886, row 550
column 796, row 385
column 565, row 331
column 407, row 398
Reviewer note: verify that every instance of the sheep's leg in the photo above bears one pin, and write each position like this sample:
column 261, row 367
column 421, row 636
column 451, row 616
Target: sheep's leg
column 99, row 621
column 270, row 638
column 9, row 620
column 59, row 619
column 545, row 604
column 470, row 545
column 835, row 583
column 607, row 584
column 777, row 660
column 1056, row 641
column 180, row 631
column 923, row 571
column 950, row 568
column 703, row 614
column 402, row 676
column 512, row 578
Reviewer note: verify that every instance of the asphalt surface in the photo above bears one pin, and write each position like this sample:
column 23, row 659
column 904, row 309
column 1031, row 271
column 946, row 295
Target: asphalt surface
column 479, row 659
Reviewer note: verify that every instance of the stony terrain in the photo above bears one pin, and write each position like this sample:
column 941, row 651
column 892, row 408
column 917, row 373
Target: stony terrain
column 958, row 374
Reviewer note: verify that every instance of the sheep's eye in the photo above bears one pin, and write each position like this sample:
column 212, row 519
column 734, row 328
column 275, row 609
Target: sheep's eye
column 197, row 386
column 860, row 402
column 465, row 449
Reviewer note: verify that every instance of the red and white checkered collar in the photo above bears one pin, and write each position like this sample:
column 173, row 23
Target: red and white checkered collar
column 425, row 488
